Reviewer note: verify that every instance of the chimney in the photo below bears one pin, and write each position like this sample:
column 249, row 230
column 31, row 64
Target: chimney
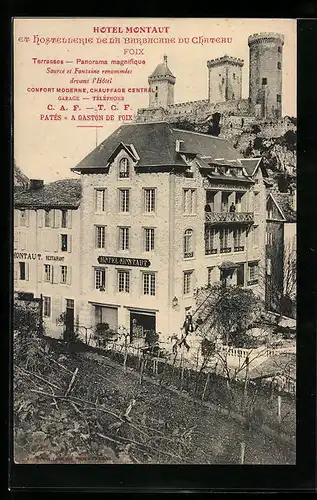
column 36, row 184
column 179, row 146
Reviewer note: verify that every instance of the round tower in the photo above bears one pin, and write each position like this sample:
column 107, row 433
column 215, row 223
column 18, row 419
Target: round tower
column 265, row 74
column 161, row 83
column 225, row 79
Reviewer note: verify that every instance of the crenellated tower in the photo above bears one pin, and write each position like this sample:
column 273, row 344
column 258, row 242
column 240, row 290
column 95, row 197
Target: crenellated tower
column 265, row 74
column 225, row 79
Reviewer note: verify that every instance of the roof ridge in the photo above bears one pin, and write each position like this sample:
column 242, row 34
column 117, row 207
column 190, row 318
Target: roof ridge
column 200, row 133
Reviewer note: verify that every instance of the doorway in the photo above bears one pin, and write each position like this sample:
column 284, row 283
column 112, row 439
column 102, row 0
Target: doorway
column 69, row 318
column 140, row 324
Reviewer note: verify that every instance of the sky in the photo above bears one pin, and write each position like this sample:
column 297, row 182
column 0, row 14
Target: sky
column 46, row 149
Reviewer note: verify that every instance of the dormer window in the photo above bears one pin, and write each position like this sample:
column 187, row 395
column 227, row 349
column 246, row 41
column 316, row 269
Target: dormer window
column 124, row 168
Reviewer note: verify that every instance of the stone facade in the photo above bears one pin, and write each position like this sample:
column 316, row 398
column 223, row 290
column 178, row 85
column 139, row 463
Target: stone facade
column 43, row 266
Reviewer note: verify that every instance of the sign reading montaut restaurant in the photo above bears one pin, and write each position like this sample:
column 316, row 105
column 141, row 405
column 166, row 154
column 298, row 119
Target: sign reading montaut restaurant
column 123, row 261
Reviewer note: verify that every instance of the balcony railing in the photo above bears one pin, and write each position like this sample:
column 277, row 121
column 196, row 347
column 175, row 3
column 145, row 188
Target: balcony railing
column 239, row 248
column 188, row 255
column 228, row 217
column 210, row 251
column 225, row 250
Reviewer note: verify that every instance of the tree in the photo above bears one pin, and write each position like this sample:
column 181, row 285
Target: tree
column 282, row 290
column 226, row 315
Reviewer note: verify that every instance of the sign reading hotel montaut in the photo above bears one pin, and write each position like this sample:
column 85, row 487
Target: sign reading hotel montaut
column 123, row 261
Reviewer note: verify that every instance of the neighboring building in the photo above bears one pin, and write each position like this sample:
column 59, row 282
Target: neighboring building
column 156, row 223
column 47, row 247
column 281, row 253
column 225, row 88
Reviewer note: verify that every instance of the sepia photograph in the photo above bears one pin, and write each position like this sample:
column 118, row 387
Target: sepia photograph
column 154, row 243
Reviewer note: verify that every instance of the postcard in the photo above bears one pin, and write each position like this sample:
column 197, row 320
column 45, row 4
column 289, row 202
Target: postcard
column 154, row 248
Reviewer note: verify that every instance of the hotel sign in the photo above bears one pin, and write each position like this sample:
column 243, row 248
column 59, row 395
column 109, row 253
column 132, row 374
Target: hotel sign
column 123, row 261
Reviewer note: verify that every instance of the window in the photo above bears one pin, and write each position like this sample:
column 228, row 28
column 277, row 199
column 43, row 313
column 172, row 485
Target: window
column 210, row 241
column 70, row 304
column 234, row 76
column 279, row 48
column 149, row 284
column 149, row 200
column 22, row 217
column 224, row 240
column 256, row 236
column 124, row 200
column 22, row 271
column 210, row 200
column 223, row 81
column 123, row 238
column 278, row 98
column 210, row 275
column 100, row 236
column 188, row 282
column 269, row 238
column 124, row 281
column 47, row 306
column 224, row 202
column 100, row 278
column 100, row 200
column 252, row 273
column 188, row 243
column 149, row 239
column 240, row 274
column 64, row 218
column 48, row 272
column 63, row 275
column 238, row 201
column 279, row 65
column 264, row 81
column 256, row 202
column 237, row 240
column 268, row 266
column 47, row 218
column 124, row 168
column 64, row 242
column 189, row 201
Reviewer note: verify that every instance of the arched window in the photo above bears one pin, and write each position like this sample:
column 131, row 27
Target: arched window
column 124, row 168
column 188, row 243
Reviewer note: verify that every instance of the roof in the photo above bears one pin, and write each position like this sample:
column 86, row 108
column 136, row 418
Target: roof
column 155, row 144
column 284, row 204
column 283, row 364
column 251, row 165
column 162, row 70
column 64, row 193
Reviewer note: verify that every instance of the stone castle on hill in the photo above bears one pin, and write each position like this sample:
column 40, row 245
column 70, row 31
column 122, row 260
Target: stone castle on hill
column 225, row 103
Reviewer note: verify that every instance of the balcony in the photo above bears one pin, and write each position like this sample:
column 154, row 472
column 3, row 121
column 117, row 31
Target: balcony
column 229, row 217
column 239, row 248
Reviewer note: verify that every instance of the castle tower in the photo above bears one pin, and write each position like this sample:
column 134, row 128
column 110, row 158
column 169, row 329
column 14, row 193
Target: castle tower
column 225, row 79
column 161, row 83
column 265, row 74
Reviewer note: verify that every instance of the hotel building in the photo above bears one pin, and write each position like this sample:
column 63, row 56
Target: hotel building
column 156, row 224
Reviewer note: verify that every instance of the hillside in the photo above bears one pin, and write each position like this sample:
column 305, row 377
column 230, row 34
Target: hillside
column 275, row 142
